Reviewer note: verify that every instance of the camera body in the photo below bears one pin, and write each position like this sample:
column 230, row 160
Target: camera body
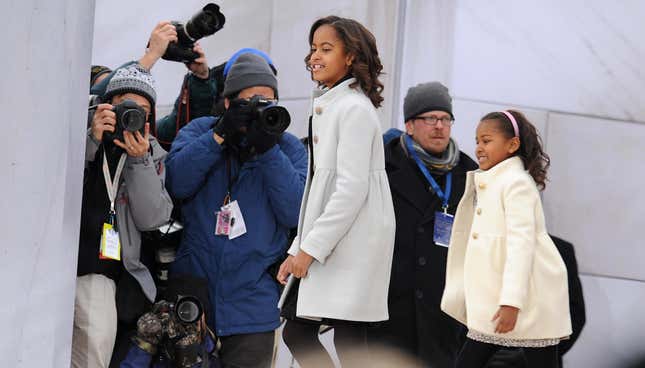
column 181, row 334
column 205, row 23
column 129, row 117
column 269, row 117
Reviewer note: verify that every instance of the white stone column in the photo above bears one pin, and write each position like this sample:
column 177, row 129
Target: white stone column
column 44, row 74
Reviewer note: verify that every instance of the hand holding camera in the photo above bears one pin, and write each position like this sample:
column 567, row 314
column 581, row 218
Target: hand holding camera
column 104, row 120
column 124, row 124
column 175, row 328
column 199, row 66
column 162, row 35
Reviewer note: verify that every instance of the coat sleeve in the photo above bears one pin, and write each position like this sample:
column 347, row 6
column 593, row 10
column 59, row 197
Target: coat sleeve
column 520, row 199
column 149, row 201
column 358, row 127
column 91, row 147
column 193, row 154
column 284, row 171
column 136, row 358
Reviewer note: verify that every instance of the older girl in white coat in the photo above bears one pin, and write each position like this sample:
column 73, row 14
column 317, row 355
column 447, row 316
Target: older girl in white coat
column 343, row 251
column 505, row 279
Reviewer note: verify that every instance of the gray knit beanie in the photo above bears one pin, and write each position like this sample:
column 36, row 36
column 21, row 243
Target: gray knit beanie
column 132, row 79
column 249, row 70
column 427, row 97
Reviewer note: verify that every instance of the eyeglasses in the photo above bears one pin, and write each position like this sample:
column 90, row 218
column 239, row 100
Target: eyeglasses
column 432, row 120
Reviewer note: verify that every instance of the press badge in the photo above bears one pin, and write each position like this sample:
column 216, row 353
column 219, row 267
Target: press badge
column 230, row 221
column 442, row 228
column 110, row 244
column 238, row 227
column 223, row 222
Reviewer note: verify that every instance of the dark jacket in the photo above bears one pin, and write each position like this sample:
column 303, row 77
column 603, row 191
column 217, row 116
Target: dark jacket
column 195, row 100
column 416, row 324
column 269, row 189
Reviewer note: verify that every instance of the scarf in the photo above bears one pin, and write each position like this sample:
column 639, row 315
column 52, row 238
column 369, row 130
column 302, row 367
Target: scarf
column 436, row 165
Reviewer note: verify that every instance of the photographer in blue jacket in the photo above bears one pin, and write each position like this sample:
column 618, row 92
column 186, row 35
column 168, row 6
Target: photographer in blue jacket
column 241, row 179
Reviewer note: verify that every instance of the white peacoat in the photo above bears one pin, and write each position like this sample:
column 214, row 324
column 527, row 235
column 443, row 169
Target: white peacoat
column 346, row 216
column 501, row 254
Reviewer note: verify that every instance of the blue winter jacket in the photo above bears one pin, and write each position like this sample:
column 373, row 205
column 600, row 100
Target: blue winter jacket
column 269, row 190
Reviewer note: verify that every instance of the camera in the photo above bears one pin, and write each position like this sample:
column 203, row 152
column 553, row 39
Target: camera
column 186, row 310
column 269, row 117
column 206, row 22
column 129, row 117
column 180, row 330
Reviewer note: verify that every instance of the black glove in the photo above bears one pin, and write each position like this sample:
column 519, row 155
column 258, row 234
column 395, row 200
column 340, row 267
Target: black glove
column 149, row 332
column 260, row 140
column 236, row 117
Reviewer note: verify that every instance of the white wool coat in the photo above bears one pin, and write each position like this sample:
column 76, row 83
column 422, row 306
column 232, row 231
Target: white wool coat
column 346, row 217
column 500, row 254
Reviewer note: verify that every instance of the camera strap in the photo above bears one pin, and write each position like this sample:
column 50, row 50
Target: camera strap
column 230, row 180
column 112, row 186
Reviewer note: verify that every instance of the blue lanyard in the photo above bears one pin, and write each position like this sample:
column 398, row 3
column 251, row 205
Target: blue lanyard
column 445, row 196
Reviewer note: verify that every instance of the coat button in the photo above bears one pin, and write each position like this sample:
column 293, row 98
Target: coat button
column 419, row 294
column 422, row 261
column 482, row 186
column 318, row 110
column 479, row 211
column 475, row 236
column 421, row 230
column 315, row 139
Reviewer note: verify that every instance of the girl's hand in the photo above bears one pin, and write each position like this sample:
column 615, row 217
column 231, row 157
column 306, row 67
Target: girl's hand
column 506, row 317
column 285, row 269
column 301, row 263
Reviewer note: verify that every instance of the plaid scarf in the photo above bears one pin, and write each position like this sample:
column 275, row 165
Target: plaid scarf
column 436, row 165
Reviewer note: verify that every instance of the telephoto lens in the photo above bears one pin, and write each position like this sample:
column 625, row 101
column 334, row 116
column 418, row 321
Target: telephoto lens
column 271, row 118
column 206, row 22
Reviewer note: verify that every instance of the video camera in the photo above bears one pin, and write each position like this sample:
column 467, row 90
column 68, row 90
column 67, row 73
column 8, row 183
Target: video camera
column 205, row 23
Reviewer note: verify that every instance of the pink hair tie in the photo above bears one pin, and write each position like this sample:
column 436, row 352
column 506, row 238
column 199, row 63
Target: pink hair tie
column 514, row 122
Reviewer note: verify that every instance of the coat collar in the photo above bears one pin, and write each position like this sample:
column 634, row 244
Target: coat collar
column 510, row 164
column 328, row 95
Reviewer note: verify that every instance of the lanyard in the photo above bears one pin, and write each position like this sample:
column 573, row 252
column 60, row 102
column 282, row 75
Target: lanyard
column 445, row 196
column 112, row 186
column 231, row 180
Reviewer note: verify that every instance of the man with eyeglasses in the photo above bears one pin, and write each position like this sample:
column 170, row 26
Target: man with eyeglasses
column 240, row 189
column 427, row 175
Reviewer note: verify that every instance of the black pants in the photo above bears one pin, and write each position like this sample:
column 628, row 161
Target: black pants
column 475, row 354
column 247, row 350
column 350, row 340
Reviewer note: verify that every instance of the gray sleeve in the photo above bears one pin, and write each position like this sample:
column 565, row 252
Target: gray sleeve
column 149, row 202
column 91, row 146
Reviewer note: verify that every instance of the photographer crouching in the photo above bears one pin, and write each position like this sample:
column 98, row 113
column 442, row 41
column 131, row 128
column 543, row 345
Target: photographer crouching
column 174, row 334
column 241, row 179
column 123, row 195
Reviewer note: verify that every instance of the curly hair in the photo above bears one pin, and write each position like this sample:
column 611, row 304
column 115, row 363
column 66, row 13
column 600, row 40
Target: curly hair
column 361, row 44
column 535, row 160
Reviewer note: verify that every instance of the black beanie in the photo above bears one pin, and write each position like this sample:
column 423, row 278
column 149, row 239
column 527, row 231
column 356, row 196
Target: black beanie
column 97, row 71
column 427, row 97
column 249, row 70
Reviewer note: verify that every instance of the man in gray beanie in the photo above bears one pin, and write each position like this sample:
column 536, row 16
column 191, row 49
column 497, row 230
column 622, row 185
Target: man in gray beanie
column 241, row 189
column 427, row 176
column 113, row 215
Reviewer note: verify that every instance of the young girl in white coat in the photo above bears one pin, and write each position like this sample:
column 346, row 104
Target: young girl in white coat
column 505, row 279
column 343, row 250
